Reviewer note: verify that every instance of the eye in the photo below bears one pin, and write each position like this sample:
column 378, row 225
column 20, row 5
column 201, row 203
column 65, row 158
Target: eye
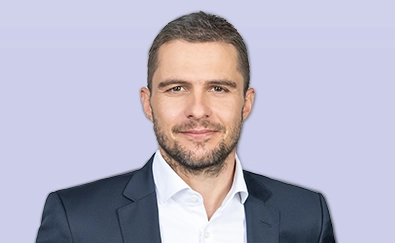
column 177, row 89
column 218, row 89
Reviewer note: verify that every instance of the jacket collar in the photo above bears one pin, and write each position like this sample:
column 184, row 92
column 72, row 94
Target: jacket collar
column 142, row 183
column 139, row 220
column 263, row 221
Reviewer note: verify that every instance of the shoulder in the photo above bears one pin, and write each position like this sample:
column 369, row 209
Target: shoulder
column 95, row 194
column 275, row 185
column 111, row 188
column 281, row 194
column 299, row 209
column 106, row 185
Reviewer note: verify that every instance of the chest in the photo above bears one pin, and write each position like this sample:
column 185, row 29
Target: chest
column 187, row 222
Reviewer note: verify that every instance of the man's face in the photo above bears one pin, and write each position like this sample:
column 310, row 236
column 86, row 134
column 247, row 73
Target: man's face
column 197, row 102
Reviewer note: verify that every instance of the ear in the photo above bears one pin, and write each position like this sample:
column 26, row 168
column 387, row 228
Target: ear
column 145, row 95
column 248, row 103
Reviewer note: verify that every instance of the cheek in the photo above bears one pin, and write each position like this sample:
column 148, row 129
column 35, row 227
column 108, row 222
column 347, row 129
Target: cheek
column 229, row 115
column 227, row 107
column 166, row 113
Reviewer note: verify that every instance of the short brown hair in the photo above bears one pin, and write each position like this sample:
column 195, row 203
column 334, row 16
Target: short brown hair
column 200, row 27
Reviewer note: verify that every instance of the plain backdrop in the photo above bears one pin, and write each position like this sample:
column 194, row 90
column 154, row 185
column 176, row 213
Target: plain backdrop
column 324, row 73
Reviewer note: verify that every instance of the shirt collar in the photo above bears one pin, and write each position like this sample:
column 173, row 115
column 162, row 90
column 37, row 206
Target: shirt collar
column 168, row 183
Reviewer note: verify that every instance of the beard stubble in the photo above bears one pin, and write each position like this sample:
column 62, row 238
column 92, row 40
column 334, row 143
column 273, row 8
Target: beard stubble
column 211, row 163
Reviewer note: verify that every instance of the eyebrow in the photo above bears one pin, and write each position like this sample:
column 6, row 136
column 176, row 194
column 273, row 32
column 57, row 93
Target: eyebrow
column 166, row 83
column 228, row 83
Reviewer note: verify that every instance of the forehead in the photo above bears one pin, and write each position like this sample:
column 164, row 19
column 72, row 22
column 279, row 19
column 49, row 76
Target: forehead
column 197, row 61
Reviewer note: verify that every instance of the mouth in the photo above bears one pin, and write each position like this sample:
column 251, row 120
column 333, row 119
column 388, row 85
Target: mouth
column 199, row 134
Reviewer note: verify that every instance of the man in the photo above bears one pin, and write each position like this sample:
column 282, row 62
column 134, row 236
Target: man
column 193, row 188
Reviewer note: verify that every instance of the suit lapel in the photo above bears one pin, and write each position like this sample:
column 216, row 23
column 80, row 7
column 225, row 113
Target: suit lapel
column 263, row 222
column 139, row 220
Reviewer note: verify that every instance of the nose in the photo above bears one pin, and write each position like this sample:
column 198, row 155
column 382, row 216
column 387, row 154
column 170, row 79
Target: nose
column 197, row 106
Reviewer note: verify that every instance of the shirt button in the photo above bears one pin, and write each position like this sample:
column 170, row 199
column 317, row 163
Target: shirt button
column 194, row 199
column 206, row 235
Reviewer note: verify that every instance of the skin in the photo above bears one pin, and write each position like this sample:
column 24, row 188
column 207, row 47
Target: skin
column 197, row 104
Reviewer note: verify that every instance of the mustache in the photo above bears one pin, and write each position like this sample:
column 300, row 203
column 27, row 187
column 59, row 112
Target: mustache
column 191, row 125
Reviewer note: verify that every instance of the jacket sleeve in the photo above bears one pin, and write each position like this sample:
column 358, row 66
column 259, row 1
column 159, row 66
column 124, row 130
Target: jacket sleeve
column 54, row 224
column 326, row 235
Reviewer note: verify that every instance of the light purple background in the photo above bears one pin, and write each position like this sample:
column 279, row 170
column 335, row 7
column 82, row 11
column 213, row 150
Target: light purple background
column 324, row 76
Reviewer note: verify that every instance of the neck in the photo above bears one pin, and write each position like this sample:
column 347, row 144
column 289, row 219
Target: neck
column 212, row 183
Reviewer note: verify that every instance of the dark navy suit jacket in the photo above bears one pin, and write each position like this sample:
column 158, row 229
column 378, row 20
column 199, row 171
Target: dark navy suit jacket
column 123, row 209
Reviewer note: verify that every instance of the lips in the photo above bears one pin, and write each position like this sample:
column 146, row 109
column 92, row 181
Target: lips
column 203, row 129
column 199, row 133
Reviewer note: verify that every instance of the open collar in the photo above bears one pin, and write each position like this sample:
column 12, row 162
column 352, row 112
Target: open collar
column 168, row 183
column 139, row 221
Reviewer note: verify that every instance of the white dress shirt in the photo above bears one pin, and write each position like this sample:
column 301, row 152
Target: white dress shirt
column 182, row 216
